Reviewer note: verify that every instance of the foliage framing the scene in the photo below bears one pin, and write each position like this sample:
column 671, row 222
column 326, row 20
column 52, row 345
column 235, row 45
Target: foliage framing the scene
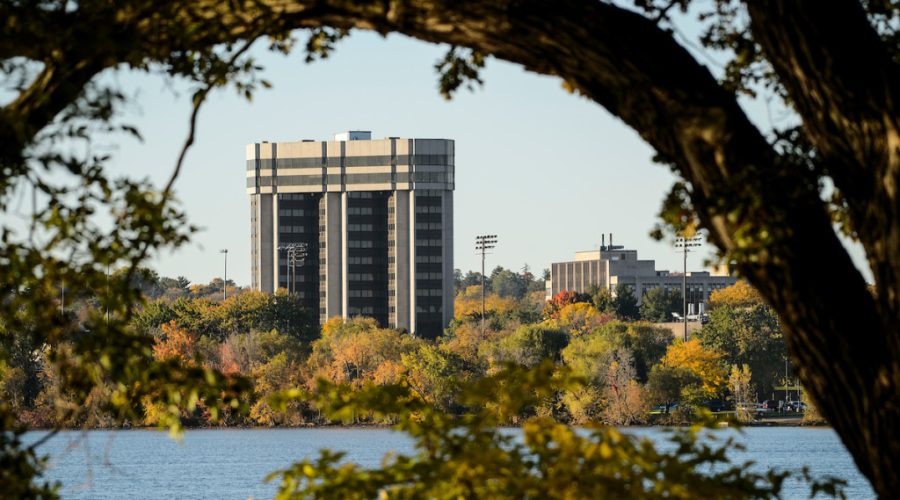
column 760, row 195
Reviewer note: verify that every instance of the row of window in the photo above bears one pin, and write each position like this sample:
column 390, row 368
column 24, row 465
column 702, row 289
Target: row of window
column 431, row 177
column 360, row 293
column 359, row 260
column 359, row 227
column 291, row 229
column 428, row 209
column 292, row 212
column 429, row 218
column 429, row 293
column 267, row 163
column 293, row 196
column 350, row 161
column 429, row 225
column 360, row 277
column 375, row 178
column 359, row 211
column 428, row 259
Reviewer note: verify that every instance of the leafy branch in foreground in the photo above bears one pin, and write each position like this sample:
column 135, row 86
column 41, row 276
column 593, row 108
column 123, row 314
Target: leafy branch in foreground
column 474, row 457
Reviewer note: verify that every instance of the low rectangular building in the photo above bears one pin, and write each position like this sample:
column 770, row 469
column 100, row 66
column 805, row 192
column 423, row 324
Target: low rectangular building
column 613, row 265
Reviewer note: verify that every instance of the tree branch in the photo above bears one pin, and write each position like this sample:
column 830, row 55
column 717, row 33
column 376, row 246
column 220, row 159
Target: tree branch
column 845, row 85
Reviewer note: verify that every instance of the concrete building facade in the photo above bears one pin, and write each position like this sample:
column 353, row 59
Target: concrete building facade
column 613, row 265
column 376, row 217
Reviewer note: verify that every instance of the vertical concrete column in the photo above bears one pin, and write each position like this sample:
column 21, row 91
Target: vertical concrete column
column 403, row 267
column 265, row 241
column 412, row 260
column 345, row 283
column 275, row 242
column 334, row 250
column 447, row 211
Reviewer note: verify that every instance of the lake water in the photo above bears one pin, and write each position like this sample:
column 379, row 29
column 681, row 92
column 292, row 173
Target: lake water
column 232, row 463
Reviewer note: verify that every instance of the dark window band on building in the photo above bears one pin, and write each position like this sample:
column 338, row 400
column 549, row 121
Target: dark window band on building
column 436, row 177
column 316, row 162
column 376, row 178
column 368, row 161
column 355, row 179
column 433, row 159
column 300, row 180
column 353, row 161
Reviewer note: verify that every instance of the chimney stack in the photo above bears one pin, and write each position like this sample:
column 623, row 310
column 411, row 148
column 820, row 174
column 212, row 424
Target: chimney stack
column 610, row 241
column 603, row 242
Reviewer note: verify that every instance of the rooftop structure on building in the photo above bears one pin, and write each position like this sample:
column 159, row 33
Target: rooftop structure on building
column 614, row 265
column 375, row 217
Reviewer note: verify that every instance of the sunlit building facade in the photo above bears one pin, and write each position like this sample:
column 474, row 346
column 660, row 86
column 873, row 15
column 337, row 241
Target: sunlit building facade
column 376, row 218
column 614, row 265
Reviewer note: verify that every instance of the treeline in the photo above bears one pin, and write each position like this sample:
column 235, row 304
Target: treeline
column 657, row 304
column 628, row 366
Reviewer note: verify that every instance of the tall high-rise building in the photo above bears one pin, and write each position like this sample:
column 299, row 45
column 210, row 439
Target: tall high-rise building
column 376, row 219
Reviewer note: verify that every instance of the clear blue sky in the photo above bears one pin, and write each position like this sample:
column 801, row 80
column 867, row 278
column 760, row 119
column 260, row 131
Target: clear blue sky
column 545, row 170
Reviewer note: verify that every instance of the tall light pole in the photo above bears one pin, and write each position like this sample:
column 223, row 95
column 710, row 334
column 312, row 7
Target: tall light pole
column 685, row 244
column 225, row 277
column 107, row 294
column 483, row 243
column 296, row 252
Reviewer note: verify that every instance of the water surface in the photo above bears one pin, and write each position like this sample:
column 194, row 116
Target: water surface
column 232, row 463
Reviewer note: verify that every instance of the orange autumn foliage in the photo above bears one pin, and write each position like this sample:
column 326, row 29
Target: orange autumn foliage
column 705, row 363
column 468, row 303
column 562, row 299
column 176, row 343
column 357, row 351
column 741, row 294
column 581, row 317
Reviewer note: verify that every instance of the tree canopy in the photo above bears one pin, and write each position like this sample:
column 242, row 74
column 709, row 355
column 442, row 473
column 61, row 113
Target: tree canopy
column 768, row 199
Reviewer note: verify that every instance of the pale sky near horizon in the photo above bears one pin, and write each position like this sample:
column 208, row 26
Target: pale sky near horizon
column 545, row 170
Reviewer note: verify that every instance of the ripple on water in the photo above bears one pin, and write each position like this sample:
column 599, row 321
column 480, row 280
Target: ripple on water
column 231, row 463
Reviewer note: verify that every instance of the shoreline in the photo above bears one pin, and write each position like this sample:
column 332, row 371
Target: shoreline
column 773, row 422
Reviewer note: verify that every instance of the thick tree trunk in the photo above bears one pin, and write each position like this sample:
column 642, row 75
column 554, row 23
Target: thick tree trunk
column 846, row 87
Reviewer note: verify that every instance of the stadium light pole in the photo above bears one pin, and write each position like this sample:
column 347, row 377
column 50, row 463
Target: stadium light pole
column 299, row 259
column 224, row 251
column 483, row 243
column 296, row 252
column 685, row 244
